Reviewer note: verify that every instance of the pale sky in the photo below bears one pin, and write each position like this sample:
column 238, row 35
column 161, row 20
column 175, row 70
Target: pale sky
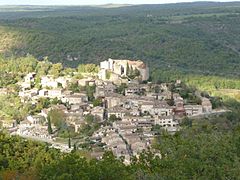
column 93, row 2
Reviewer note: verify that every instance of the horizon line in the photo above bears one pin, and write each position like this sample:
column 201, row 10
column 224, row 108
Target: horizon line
column 127, row 4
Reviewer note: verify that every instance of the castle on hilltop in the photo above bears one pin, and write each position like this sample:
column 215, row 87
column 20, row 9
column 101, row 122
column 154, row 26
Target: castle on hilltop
column 121, row 68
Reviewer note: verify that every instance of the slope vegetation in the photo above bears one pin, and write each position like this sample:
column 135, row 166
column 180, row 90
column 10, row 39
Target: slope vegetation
column 200, row 38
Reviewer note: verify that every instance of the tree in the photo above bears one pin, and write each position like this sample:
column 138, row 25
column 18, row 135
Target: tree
column 157, row 89
column 121, row 88
column 49, row 125
column 97, row 102
column 170, row 102
column 88, row 68
column 57, row 117
column 74, row 87
column 69, row 142
column 186, row 122
column 56, row 70
column 113, row 118
column 90, row 92
column 89, row 118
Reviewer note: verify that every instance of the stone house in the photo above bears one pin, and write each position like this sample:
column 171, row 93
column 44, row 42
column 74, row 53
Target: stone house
column 147, row 106
column 86, row 82
column 98, row 112
column 166, row 121
column 28, row 94
column 104, row 90
column 48, row 81
column 36, row 119
column 165, row 95
column 113, row 99
column 121, row 151
column 99, row 92
column 161, row 108
column 78, row 124
column 43, row 93
column 8, row 123
column 131, row 138
column 74, row 115
column 63, row 81
column 193, row 110
column 118, row 111
column 55, row 93
column 29, row 77
column 176, row 96
column 76, row 98
column 132, row 90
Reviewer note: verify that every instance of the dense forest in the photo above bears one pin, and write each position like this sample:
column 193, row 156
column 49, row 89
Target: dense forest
column 199, row 38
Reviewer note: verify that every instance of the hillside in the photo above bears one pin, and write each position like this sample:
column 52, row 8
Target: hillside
column 200, row 38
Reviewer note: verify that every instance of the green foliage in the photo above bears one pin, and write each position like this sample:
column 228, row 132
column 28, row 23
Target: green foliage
column 21, row 158
column 89, row 118
column 97, row 102
column 186, row 122
column 170, row 102
column 56, row 70
column 74, row 87
column 203, row 149
column 157, row 89
column 42, row 104
column 43, row 68
column 108, row 75
column 49, row 126
column 189, row 155
column 12, row 69
column 88, row 68
column 178, row 41
column 90, row 92
column 121, row 88
column 57, row 117
column 215, row 85
column 132, row 73
column 200, row 38
column 113, row 118
column 75, row 167
column 12, row 108
column 18, row 65
column 91, row 125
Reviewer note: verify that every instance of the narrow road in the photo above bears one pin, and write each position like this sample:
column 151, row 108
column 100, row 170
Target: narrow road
column 61, row 146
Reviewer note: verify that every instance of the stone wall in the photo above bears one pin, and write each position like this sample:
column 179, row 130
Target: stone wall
column 120, row 67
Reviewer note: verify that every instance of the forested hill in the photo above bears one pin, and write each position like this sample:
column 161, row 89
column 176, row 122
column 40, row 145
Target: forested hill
column 200, row 37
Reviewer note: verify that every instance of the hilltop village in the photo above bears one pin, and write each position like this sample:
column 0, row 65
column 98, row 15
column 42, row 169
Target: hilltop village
column 114, row 108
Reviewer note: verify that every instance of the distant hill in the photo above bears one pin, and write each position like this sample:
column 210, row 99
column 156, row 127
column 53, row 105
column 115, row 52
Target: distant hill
column 201, row 37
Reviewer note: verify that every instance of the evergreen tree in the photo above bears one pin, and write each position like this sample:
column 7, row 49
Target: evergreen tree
column 69, row 142
column 49, row 126
column 69, row 139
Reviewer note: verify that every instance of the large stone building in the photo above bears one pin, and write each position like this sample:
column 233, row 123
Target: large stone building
column 120, row 67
